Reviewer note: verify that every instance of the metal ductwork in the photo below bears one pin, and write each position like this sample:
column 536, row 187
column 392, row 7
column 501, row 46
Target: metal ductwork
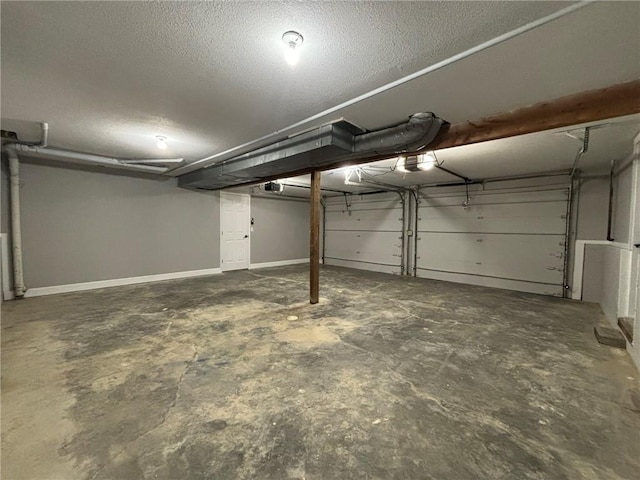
column 413, row 135
column 317, row 148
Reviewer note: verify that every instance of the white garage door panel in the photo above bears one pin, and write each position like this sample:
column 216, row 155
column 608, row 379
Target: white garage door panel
column 371, row 247
column 382, row 201
column 366, row 235
column 534, row 258
column 374, row 267
column 511, row 238
column 492, row 198
column 516, row 285
column 376, row 220
column 542, row 217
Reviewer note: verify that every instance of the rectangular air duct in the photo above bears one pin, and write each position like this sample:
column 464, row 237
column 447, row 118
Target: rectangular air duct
column 314, row 149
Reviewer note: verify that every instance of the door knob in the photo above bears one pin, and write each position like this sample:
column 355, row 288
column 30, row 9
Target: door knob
column 246, row 236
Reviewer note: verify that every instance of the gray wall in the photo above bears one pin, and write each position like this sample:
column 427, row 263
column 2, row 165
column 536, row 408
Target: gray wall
column 80, row 226
column 593, row 194
column 622, row 207
column 593, row 210
column 280, row 229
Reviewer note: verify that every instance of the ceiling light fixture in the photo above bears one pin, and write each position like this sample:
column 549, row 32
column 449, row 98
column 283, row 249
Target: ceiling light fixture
column 293, row 41
column 349, row 173
column 426, row 161
column 416, row 163
column 162, row 142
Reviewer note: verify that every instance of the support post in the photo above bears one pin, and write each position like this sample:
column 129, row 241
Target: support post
column 314, row 239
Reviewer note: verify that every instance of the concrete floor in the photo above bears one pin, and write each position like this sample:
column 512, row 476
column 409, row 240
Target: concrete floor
column 236, row 376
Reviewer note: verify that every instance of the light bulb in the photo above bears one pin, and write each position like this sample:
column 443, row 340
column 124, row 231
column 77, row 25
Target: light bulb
column 427, row 161
column 162, row 142
column 293, row 41
column 349, row 173
column 291, row 54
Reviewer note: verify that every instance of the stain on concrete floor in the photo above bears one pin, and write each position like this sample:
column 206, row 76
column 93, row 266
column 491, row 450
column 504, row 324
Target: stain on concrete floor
column 236, row 376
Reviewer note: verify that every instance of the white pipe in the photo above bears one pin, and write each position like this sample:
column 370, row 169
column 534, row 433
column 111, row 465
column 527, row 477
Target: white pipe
column 87, row 158
column 153, row 160
column 45, row 134
column 432, row 68
column 16, row 233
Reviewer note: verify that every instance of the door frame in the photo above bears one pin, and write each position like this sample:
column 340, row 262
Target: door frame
column 222, row 194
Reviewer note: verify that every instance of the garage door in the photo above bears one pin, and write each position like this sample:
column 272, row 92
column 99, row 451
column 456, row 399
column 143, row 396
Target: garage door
column 364, row 232
column 513, row 239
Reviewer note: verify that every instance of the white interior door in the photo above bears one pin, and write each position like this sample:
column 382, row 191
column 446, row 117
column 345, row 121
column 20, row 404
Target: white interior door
column 235, row 221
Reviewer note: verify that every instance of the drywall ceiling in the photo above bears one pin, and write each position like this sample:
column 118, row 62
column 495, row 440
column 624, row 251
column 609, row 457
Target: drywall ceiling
column 110, row 76
column 536, row 153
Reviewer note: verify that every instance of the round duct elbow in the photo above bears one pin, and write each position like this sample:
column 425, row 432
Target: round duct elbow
column 415, row 134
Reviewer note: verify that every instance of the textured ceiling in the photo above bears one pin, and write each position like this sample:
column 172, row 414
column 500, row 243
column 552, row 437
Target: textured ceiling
column 109, row 76
column 535, row 153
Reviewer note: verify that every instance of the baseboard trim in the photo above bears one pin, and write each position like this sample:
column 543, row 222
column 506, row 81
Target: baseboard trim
column 280, row 263
column 117, row 282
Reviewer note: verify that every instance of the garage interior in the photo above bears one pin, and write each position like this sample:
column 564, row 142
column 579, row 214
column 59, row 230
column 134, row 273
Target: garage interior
column 320, row 240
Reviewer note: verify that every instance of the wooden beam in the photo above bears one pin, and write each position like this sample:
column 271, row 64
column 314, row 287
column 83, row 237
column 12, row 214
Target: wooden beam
column 591, row 106
column 314, row 239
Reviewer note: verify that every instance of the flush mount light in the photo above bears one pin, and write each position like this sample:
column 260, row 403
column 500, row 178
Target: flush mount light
column 162, row 142
column 293, row 41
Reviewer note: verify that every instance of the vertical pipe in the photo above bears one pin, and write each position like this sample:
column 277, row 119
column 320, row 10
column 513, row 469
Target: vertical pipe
column 16, row 233
column 314, row 239
column 324, row 228
column 416, row 195
column 567, row 241
column 402, row 234
column 610, row 215
column 406, row 225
